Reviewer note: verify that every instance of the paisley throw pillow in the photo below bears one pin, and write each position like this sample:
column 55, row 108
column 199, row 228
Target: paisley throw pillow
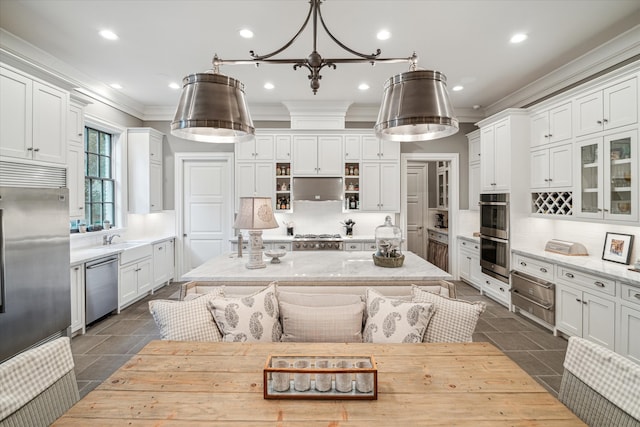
column 252, row 318
column 391, row 320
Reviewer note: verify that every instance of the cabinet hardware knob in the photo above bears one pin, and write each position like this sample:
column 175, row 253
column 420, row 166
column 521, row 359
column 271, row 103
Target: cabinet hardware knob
column 36, row 149
column 487, row 282
column 550, row 179
column 501, row 289
column 546, row 180
column 544, row 270
column 599, row 284
column 605, row 121
column 569, row 275
column 599, row 122
column 637, row 296
column 584, row 302
column 469, row 258
column 550, row 135
column 80, row 207
column 78, row 268
column 30, row 149
column 578, row 299
column 546, row 136
column 184, row 235
column 80, row 134
column 463, row 243
column 522, row 263
column 606, row 210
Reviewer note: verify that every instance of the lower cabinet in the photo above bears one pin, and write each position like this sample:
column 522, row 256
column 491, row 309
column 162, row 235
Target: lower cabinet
column 163, row 263
column 77, row 298
column 586, row 315
column 135, row 280
column 469, row 263
column 496, row 289
column 628, row 343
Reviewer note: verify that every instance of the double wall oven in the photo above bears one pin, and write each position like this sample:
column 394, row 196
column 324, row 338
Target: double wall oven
column 494, row 235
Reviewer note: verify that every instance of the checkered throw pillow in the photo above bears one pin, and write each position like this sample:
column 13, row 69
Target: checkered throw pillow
column 453, row 320
column 186, row 320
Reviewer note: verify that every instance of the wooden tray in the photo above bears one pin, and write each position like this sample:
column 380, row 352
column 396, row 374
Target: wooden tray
column 312, row 393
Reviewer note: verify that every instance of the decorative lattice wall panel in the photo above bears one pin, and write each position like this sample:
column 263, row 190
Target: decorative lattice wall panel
column 552, row 203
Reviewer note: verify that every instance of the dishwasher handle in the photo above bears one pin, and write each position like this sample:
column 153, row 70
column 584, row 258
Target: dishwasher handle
column 101, row 264
column 537, row 282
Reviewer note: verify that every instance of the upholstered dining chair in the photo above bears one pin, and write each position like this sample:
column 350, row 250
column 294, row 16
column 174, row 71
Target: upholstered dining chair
column 38, row 386
column 601, row 387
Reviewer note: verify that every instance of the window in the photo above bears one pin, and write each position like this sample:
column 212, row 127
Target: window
column 99, row 189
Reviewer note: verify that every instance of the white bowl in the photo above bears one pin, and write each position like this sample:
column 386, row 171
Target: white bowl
column 275, row 255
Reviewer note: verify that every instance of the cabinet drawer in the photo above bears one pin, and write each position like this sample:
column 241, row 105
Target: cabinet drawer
column 469, row 246
column 369, row 246
column 631, row 294
column 496, row 289
column 586, row 280
column 352, row 246
column 534, row 267
column 285, row 246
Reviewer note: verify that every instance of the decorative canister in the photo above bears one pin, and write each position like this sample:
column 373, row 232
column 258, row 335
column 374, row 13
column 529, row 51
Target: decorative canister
column 388, row 241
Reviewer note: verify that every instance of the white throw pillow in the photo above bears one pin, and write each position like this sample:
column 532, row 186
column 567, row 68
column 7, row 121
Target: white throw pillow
column 186, row 320
column 391, row 320
column 252, row 318
column 454, row 320
column 317, row 300
column 342, row 323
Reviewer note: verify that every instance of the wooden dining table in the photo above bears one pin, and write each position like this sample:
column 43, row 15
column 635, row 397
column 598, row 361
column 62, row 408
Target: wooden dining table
column 178, row 383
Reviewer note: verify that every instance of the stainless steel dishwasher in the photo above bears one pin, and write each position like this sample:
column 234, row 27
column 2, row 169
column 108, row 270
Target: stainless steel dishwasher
column 101, row 288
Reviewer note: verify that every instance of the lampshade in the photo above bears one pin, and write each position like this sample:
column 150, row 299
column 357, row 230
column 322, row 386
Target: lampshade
column 416, row 107
column 255, row 213
column 212, row 108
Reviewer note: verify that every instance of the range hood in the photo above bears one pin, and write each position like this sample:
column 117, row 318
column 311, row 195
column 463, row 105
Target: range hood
column 317, row 189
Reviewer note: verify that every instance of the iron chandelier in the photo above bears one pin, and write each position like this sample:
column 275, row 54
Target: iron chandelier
column 415, row 104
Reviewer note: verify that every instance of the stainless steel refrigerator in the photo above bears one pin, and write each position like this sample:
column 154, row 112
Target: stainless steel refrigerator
column 35, row 299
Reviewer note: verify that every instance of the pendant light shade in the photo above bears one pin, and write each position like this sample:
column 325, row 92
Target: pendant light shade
column 416, row 107
column 212, row 108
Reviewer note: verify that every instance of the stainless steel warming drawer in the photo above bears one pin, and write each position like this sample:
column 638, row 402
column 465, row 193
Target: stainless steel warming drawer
column 533, row 295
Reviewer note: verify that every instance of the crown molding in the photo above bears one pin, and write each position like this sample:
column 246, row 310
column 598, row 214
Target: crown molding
column 615, row 51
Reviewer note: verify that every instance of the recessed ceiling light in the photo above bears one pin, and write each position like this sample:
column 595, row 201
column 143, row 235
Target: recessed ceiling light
column 109, row 35
column 174, row 85
column 363, row 86
column 457, row 88
column 115, row 86
column 246, row 33
column 269, row 86
column 383, row 35
column 518, row 38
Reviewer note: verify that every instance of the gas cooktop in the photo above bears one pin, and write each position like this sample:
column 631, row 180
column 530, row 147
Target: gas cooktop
column 310, row 242
column 317, row 237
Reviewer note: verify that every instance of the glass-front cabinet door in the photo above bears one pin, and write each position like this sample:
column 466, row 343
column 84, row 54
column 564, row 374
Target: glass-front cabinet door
column 621, row 169
column 608, row 177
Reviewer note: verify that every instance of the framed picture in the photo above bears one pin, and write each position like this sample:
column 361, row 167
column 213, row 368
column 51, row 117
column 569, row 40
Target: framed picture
column 617, row 247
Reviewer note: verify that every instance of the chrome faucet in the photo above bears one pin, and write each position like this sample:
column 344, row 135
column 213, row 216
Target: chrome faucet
column 107, row 240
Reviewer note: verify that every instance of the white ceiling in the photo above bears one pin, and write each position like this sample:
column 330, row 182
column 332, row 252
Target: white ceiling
column 161, row 41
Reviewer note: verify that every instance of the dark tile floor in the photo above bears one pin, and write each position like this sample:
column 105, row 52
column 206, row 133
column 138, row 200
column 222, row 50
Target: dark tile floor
column 109, row 343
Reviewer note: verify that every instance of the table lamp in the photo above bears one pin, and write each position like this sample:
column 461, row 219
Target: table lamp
column 255, row 214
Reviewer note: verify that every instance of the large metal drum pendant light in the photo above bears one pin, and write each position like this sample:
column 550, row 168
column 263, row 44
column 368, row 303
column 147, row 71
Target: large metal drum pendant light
column 416, row 107
column 212, row 108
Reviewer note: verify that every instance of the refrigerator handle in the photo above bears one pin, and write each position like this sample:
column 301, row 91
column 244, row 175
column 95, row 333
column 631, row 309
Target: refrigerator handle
column 2, row 254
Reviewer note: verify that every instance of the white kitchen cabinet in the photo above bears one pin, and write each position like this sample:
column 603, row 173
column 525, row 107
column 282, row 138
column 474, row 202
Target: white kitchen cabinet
column 474, row 147
column 34, row 119
column 496, row 289
column 75, row 180
column 283, row 148
column 352, row 148
column 353, row 246
column 586, row 315
column 607, row 173
column 144, row 158
column 551, row 167
column 606, row 108
column 259, row 148
column 552, row 125
column 379, row 186
column 469, row 263
column 75, row 123
column 163, row 263
column 628, row 343
column 374, row 148
column 474, row 187
column 136, row 279
column 442, row 187
column 317, row 155
column 255, row 179
column 77, row 298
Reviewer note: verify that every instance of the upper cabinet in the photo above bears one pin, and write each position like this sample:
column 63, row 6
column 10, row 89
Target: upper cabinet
column 144, row 148
column 474, row 170
column 283, row 148
column 608, row 177
column 551, row 125
column 607, row 108
column 380, row 182
column 75, row 160
column 33, row 117
column 259, row 148
column 317, row 155
column 374, row 148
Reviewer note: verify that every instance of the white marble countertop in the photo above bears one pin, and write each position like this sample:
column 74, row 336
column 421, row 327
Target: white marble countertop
column 316, row 265
column 469, row 237
column 89, row 253
column 286, row 239
column 589, row 264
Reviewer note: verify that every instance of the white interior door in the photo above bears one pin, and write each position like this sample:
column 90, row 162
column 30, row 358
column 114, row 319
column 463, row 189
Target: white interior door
column 207, row 217
column 417, row 208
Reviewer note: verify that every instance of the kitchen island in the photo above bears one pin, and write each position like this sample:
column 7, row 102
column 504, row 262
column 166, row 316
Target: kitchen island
column 333, row 270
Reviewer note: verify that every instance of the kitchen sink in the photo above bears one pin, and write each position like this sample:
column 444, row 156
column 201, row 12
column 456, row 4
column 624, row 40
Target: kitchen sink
column 125, row 245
